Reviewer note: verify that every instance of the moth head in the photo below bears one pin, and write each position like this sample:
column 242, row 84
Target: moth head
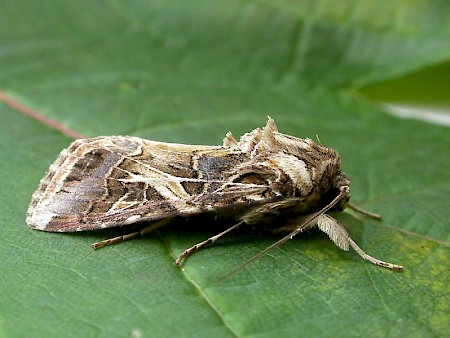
column 341, row 184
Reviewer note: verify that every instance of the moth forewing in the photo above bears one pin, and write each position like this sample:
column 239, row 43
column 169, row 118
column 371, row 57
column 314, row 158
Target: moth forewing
column 262, row 179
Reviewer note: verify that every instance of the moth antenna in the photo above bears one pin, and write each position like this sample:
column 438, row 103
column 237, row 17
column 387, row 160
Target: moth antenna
column 343, row 193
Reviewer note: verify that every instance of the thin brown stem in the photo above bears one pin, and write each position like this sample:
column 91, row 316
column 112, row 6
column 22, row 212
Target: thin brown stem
column 35, row 115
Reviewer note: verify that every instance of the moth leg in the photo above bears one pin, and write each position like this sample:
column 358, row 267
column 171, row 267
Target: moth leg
column 342, row 239
column 363, row 212
column 118, row 239
column 201, row 245
column 374, row 260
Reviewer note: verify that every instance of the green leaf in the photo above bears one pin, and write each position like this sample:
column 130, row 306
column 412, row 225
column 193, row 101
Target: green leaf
column 189, row 72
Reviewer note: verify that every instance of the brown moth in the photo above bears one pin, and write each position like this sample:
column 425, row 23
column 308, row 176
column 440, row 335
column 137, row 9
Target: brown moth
column 279, row 181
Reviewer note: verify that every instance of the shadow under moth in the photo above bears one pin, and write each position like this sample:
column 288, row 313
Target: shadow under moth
column 267, row 178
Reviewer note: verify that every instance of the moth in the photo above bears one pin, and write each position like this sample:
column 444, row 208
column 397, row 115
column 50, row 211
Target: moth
column 267, row 178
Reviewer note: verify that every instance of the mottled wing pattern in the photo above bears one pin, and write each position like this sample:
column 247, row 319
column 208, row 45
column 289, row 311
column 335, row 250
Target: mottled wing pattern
column 110, row 181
